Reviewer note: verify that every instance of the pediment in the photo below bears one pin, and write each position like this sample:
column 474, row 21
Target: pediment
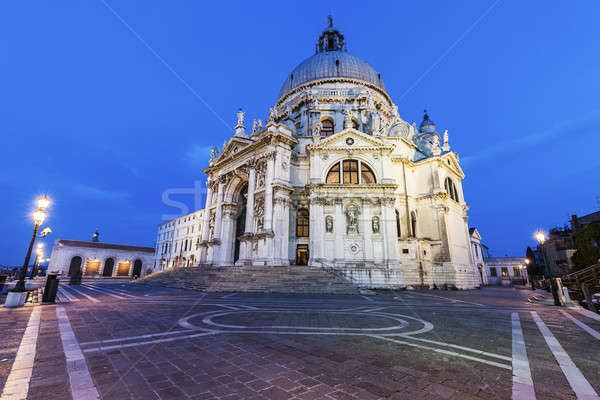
column 233, row 146
column 349, row 139
column 475, row 234
column 451, row 160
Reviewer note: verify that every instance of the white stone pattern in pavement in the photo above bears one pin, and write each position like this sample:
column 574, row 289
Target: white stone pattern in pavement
column 522, row 382
column 80, row 380
column 17, row 384
column 577, row 381
column 583, row 326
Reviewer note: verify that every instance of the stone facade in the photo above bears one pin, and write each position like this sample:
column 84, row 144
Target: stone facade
column 506, row 269
column 177, row 241
column 336, row 179
column 96, row 259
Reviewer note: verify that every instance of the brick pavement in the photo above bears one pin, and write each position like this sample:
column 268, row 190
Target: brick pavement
column 253, row 346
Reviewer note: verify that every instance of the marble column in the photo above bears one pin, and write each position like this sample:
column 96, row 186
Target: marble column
column 227, row 235
column 246, row 245
column 367, row 231
column 206, row 229
column 268, row 249
column 268, row 223
column 339, row 229
column 218, row 222
column 250, row 200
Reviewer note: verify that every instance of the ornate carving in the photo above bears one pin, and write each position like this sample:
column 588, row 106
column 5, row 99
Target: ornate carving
column 329, row 223
column 259, row 212
column 375, row 224
column 316, row 128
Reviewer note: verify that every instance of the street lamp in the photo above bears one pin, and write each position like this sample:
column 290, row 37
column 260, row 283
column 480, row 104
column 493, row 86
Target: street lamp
column 541, row 238
column 39, row 255
column 39, row 216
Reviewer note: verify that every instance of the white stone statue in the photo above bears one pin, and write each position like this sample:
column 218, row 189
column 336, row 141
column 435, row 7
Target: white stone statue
column 214, row 152
column 446, row 145
column 329, row 223
column 375, row 224
column 240, row 117
column 375, row 123
column 435, row 145
column 370, row 102
column 259, row 124
column 316, row 128
column 352, row 219
column 254, row 126
column 348, row 123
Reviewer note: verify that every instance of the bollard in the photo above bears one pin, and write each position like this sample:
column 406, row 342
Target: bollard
column 588, row 297
column 568, row 301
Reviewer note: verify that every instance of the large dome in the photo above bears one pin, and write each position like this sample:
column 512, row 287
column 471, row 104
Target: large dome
column 331, row 61
column 331, row 64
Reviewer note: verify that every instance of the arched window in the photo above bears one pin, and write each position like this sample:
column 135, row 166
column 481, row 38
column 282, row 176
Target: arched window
column 350, row 168
column 451, row 189
column 413, row 223
column 352, row 172
column 398, row 231
column 333, row 176
column 326, row 127
column 75, row 266
column 367, row 176
column 302, row 223
column 137, row 268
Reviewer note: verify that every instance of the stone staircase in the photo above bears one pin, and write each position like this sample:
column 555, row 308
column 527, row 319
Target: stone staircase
column 288, row 279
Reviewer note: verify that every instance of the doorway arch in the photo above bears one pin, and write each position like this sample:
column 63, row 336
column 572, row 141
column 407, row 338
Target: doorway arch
column 109, row 265
column 75, row 266
column 240, row 221
column 137, row 268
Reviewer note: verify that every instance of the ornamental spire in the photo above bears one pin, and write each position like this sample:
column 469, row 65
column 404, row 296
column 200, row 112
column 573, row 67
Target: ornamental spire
column 331, row 39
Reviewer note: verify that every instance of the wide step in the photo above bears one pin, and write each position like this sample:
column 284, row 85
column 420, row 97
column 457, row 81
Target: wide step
column 293, row 279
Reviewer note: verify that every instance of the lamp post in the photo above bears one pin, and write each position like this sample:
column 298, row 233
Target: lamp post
column 39, row 256
column 541, row 238
column 38, row 218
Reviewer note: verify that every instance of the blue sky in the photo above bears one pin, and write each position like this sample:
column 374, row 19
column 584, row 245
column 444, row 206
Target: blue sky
column 105, row 120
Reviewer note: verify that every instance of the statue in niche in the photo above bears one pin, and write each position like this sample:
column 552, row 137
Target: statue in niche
column 348, row 123
column 352, row 219
column 375, row 224
column 260, row 176
column 211, row 225
column 259, row 213
column 370, row 102
column 329, row 223
column 316, row 128
column 375, row 123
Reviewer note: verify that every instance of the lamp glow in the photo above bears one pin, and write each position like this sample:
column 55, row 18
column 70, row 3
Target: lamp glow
column 540, row 237
column 38, row 216
column 43, row 202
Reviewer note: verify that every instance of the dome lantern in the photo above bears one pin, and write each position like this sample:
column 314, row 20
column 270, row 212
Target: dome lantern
column 331, row 39
column 427, row 125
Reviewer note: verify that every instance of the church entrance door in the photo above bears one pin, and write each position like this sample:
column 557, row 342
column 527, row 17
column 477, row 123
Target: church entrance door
column 240, row 222
column 302, row 254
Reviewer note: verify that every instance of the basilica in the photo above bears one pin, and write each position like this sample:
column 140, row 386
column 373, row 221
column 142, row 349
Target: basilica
column 337, row 180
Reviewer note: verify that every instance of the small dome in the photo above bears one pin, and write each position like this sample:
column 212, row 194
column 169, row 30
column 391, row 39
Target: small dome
column 427, row 126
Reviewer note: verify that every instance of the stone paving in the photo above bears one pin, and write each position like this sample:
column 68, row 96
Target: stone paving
column 142, row 342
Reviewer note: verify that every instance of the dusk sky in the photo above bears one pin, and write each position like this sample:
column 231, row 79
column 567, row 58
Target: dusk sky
column 107, row 105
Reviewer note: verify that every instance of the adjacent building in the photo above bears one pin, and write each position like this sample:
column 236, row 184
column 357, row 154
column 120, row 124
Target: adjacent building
column 177, row 241
column 97, row 259
column 505, row 270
